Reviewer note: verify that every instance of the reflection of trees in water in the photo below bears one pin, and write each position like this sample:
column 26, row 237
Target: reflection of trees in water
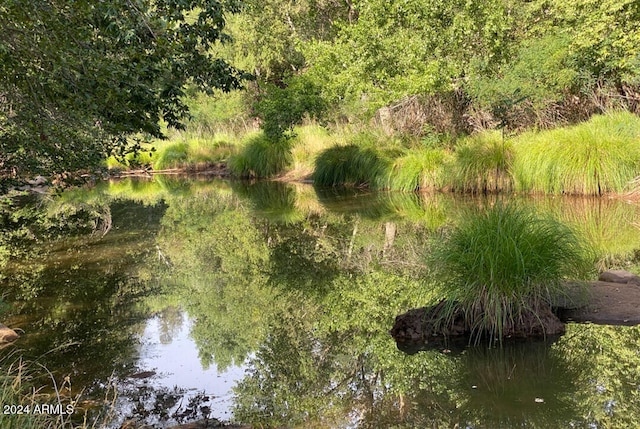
column 312, row 295
column 170, row 320
column 219, row 260
column 305, row 376
column 80, row 307
column 608, row 363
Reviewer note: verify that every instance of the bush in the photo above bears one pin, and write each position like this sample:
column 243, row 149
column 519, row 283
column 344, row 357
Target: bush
column 504, row 264
column 282, row 108
column 593, row 158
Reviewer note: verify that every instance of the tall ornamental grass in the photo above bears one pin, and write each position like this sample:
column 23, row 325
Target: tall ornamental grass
column 593, row 158
column 482, row 164
column 502, row 265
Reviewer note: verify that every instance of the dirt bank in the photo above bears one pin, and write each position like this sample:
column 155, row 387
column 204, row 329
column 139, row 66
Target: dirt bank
column 600, row 302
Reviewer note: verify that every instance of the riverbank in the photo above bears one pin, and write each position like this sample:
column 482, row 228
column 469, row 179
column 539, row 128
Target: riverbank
column 600, row 303
column 598, row 157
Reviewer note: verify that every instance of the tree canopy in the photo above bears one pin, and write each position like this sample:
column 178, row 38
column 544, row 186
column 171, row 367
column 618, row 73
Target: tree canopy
column 78, row 79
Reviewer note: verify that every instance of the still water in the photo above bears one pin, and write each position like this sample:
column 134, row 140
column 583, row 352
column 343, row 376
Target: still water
column 268, row 304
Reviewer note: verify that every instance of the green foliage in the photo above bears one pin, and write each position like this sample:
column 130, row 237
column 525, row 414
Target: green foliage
column 261, row 157
column 171, row 155
column 418, row 170
column 482, row 163
column 593, row 158
column 542, row 70
column 282, row 108
column 401, row 48
column 605, row 36
column 78, row 82
column 220, row 112
column 268, row 35
column 504, row 262
column 219, row 263
column 350, row 165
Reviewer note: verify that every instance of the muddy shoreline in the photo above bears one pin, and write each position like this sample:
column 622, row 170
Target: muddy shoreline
column 597, row 302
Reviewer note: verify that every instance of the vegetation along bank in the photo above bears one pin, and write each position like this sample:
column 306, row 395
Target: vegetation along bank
column 527, row 96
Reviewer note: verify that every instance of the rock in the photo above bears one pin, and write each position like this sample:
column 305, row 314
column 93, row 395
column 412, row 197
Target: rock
column 424, row 325
column 608, row 304
column 7, row 335
column 432, row 327
column 619, row 276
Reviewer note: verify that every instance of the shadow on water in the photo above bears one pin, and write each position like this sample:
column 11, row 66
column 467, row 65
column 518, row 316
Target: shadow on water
column 292, row 291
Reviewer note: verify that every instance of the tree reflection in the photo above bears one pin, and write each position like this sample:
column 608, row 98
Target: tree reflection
column 305, row 292
column 77, row 296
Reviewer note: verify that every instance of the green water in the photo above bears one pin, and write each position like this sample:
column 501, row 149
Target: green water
column 269, row 304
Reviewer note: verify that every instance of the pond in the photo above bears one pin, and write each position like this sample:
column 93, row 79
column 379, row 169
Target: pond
column 269, row 304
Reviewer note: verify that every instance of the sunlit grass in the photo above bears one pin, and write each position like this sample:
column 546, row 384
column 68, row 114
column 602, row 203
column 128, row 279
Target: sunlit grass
column 481, row 164
column 193, row 152
column 260, row 157
column 420, row 169
column 308, row 142
column 505, row 262
column 593, row 158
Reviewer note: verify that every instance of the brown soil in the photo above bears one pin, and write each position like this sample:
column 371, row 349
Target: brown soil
column 601, row 303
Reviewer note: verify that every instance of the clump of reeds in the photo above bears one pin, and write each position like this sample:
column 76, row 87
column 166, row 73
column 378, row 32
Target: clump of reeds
column 351, row 165
column 482, row 163
column 593, row 158
column 420, row 169
column 503, row 264
column 261, row 157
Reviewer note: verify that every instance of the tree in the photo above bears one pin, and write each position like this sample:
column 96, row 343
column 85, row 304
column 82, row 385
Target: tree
column 399, row 48
column 79, row 79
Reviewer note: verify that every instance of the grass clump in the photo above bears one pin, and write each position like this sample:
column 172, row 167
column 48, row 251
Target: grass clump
column 193, row 152
column 350, row 165
column 593, row 158
column 261, row 157
column 482, row 164
column 418, row 170
column 360, row 162
column 500, row 268
column 171, row 155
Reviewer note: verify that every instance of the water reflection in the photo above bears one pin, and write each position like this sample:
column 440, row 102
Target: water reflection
column 170, row 385
column 299, row 286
